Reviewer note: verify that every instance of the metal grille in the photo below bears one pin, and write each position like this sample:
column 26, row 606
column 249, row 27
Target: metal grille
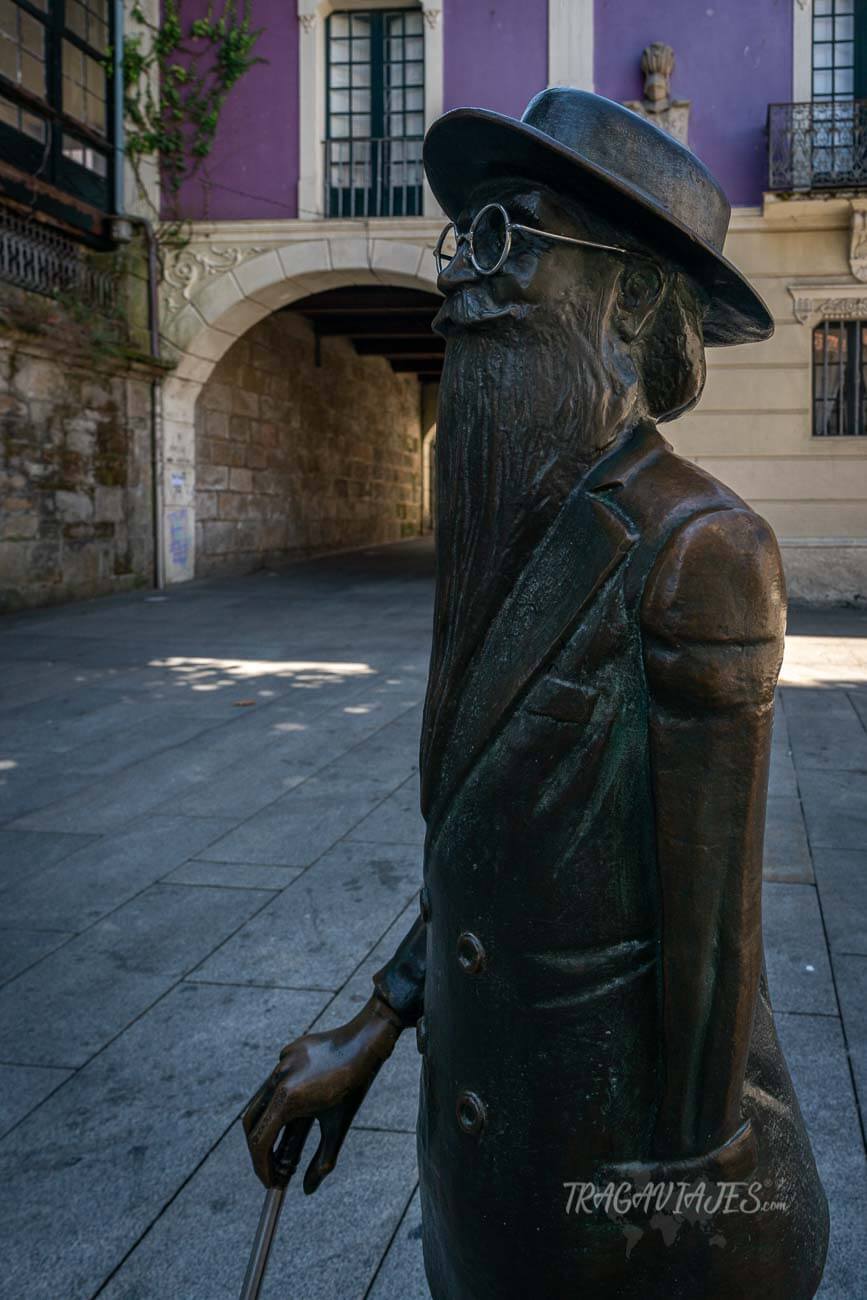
column 374, row 178
column 44, row 262
column 839, row 388
column 818, row 146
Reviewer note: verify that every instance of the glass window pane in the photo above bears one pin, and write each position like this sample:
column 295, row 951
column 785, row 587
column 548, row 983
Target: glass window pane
column 844, row 29
column 32, row 34
column 340, row 75
column 361, row 25
column 96, row 112
column 415, row 48
column 361, row 126
column 8, row 57
column 340, row 51
column 823, row 29
column 843, row 82
column 8, row 113
column 361, row 74
column 360, row 51
column 339, row 126
column 76, row 18
column 414, row 74
column 32, row 74
column 361, row 101
column 822, row 84
column 339, row 25
column 95, row 75
column 340, row 101
column 822, row 6
column 823, row 56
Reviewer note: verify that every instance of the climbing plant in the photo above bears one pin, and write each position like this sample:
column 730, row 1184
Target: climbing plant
column 176, row 75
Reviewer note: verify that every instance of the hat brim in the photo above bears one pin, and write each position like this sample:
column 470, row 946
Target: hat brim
column 472, row 146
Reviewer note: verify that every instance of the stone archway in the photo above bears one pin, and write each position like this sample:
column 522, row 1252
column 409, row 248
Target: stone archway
column 223, row 282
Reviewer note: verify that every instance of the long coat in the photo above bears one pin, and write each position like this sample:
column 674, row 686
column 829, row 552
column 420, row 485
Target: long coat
column 586, row 971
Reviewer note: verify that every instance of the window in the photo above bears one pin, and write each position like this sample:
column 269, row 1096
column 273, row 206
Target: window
column 374, row 113
column 839, row 388
column 54, row 93
column 834, row 49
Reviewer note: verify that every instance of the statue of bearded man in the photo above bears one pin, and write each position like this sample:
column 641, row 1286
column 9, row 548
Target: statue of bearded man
column 586, row 972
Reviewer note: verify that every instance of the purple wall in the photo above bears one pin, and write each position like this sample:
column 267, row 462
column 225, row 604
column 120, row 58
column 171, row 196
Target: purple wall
column 732, row 58
column 253, row 166
column 496, row 53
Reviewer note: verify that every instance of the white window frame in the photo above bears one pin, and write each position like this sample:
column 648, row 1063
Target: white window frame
column 802, row 51
column 570, row 43
column 311, row 90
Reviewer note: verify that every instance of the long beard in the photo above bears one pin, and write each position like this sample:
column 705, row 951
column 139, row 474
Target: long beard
column 522, row 413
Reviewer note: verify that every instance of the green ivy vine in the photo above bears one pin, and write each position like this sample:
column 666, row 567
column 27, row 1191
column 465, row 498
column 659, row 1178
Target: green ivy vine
column 176, row 76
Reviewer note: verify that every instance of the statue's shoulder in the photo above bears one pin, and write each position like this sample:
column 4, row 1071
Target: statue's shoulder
column 717, row 574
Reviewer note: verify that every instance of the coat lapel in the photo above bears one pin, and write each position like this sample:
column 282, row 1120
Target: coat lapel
column 584, row 545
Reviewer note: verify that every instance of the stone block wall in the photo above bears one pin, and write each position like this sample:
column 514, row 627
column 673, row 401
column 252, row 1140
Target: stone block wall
column 75, row 473
column 295, row 459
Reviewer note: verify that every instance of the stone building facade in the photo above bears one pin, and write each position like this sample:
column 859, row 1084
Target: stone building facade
column 76, row 457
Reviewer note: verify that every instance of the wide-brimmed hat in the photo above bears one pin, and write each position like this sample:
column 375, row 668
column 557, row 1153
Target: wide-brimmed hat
column 587, row 147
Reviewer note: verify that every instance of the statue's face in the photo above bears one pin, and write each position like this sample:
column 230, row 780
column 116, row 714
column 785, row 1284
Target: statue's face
column 538, row 273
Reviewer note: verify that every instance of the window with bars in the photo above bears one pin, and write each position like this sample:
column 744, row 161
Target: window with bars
column 839, row 388
column 54, row 93
column 374, row 113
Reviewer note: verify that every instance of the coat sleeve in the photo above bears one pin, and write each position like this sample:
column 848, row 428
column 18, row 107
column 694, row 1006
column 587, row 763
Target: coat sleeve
column 713, row 621
column 400, row 983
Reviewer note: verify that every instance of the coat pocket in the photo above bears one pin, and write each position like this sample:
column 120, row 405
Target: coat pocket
column 562, row 700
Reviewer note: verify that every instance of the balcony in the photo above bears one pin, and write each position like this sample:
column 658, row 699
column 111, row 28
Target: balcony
column 818, row 146
column 373, row 178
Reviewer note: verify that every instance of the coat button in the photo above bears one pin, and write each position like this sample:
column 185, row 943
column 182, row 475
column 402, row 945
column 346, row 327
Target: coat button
column 421, row 1035
column 424, row 904
column 471, row 954
column 471, row 1113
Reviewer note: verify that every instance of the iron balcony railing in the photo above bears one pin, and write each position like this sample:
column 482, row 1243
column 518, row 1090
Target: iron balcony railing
column 374, row 177
column 818, row 146
column 35, row 258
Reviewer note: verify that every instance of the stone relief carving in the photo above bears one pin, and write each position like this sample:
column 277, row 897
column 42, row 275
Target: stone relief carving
column 819, row 306
column 657, row 66
column 186, row 273
column 858, row 240
column 432, row 17
column 308, row 22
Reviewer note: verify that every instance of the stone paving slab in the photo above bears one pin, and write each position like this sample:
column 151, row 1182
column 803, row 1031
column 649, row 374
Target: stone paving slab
column 816, row 1054
column 316, row 932
column 787, row 851
column 835, row 808
column 328, row 1246
column 851, row 977
column 842, row 876
column 799, row 972
column 77, row 999
column 85, row 1175
column 25, row 853
column 102, row 875
column 22, row 948
column 23, row 1087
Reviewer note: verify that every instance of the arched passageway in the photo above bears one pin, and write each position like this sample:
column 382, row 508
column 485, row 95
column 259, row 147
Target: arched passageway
column 310, row 430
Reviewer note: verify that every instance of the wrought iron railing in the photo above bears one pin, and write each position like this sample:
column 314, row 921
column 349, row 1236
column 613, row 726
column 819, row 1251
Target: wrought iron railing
column 374, row 178
column 35, row 258
column 818, row 146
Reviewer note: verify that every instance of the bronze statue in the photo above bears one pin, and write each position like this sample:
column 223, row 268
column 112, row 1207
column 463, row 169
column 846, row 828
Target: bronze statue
column 586, row 972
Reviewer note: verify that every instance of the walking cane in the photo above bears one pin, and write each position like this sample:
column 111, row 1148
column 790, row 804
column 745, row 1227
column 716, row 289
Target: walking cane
column 286, row 1159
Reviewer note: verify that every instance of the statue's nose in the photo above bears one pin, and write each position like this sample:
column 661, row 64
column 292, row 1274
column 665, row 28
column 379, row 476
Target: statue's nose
column 459, row 271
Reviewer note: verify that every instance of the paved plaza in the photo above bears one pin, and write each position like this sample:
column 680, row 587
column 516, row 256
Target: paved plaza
column 209, row 840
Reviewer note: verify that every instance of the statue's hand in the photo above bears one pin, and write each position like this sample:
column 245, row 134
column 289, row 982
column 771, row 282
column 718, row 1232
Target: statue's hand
column 322, row 1077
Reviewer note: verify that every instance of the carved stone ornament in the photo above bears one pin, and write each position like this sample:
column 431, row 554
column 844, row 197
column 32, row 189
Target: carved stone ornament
column 812, row 302
column 186, row 274
column 308, row 22
column 858, row 240
column 672, row 115
column 432, row 17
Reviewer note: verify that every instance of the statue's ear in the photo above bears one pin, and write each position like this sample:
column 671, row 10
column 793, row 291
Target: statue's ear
column 638, row 295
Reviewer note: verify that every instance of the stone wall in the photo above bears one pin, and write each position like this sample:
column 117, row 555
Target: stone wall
column 75, row 472
column 295, row 458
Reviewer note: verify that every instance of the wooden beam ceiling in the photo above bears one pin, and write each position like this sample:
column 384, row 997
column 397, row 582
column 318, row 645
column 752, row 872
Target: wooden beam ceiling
column 380, row 321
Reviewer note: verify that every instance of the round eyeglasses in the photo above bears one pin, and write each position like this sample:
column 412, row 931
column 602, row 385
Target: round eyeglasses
column 489, row 240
